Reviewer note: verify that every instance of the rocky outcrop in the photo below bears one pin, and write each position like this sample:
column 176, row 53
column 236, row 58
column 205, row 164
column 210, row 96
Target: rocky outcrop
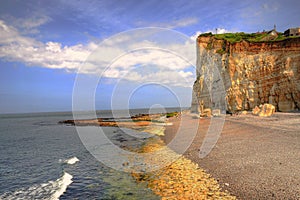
column 239, row 76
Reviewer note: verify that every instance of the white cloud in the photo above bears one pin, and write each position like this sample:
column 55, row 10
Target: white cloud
column 53, row 46
column 219, row 31
column 195, row 36
column 270, row 7
column 15, row 47
column 184, row 22
column 33, row 22
column 133, row 50
column 222, row 30
column 28, row 25
column 171, row 25
column 152, row 65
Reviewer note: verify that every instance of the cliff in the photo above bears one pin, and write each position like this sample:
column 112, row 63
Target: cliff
column 236, row 76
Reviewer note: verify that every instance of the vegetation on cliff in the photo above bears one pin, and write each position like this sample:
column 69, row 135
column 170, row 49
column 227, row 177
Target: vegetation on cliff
column 250, row 37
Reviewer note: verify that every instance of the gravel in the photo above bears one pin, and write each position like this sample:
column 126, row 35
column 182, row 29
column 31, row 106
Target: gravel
column 254, row 158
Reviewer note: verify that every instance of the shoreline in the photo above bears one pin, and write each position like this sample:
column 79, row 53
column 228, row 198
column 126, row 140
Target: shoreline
column 142, row 122
column 180, row 179
column 254, row 158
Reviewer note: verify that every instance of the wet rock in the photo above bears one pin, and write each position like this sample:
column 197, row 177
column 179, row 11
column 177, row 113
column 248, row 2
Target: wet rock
column 182, row 179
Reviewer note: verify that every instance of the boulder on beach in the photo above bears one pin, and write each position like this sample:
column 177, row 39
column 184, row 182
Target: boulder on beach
column 256, row 110
column 216, row 112
column 265, row 110
column 206, row 113
column 244, row 112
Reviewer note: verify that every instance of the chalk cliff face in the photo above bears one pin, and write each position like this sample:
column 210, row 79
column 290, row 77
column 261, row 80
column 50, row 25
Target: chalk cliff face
column 242, row 75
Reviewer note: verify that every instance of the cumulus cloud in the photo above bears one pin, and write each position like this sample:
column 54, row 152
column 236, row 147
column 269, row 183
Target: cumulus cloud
column 124, row 56
column 222, row 30
column 153, row 65
column 16, row 47
column 194, row 37
column 217, row 30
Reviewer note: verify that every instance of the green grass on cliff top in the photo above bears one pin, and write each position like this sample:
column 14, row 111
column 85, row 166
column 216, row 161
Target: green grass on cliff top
column 251, row 37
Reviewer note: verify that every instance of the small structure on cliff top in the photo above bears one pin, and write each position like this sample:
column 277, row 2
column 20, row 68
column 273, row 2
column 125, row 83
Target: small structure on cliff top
column 272, row 35
column 292, row 32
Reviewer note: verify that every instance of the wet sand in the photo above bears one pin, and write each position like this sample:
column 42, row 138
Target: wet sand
column 254, row 158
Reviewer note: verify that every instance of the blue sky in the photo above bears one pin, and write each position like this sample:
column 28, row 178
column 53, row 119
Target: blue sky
column 43, row 44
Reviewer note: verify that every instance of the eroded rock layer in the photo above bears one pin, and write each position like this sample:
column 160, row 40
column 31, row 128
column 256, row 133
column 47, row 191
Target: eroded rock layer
column 247, row 74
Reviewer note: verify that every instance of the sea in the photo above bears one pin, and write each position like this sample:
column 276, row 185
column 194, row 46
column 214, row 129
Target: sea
column 43, row 159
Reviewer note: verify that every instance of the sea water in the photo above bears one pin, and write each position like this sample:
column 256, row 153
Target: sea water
column 41, row 159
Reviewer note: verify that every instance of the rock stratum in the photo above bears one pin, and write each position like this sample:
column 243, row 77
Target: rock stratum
column 242, row 75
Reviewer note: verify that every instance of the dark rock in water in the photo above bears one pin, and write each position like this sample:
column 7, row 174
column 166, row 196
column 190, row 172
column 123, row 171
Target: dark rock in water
column 71, row 122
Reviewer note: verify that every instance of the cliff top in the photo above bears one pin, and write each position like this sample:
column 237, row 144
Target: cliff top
column 250, row 37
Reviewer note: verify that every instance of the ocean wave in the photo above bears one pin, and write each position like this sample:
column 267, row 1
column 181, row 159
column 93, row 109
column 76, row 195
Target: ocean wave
column 72, row 161
column 51, row 190
column 63, row 183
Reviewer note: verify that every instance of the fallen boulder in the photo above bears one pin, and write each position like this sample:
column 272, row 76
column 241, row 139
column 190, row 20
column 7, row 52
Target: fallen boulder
column 265, row 110
column 206, row 113
column 216, row 112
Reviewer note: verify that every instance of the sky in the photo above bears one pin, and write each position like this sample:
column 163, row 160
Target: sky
column 105, row 53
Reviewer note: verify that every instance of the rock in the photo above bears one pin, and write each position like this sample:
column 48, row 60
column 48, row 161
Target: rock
column 216, row 112
column 247, row 74
column 244, row 112
column 265, row 110
column 206, row 113
column 256, row 110
column 194, row 115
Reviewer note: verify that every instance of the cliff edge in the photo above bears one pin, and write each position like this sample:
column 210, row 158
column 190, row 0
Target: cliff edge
column 239, row 75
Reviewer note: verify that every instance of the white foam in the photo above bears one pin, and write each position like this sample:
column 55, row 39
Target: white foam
column 72, row 161
column 51, row 190
column 63, row 183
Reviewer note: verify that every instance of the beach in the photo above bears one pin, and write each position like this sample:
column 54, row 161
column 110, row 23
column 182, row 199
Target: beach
column 254, row 158
column 166, row 172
